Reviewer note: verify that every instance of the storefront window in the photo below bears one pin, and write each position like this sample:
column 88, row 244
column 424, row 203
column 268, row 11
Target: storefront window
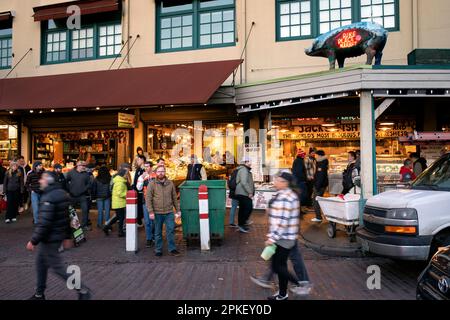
column 8, row 142
column 96, row 147
column 218, row 150
column 195, row 24
column 336, row 137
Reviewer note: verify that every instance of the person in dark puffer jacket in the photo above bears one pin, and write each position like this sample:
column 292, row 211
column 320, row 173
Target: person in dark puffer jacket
column 32, row 186
column 320, row 183
column 102, row 192
column 52, row 229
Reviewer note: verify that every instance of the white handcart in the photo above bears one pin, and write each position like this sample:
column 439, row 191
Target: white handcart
column 343, row 211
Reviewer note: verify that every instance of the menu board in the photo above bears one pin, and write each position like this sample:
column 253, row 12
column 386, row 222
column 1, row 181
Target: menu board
column 254, row 152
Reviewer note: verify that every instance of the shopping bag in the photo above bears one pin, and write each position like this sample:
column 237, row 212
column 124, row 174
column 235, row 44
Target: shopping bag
column 3, row 204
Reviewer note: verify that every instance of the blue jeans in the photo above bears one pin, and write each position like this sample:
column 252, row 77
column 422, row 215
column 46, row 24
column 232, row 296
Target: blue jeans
column 234, row 205
column 149, row 224
column 169, row 220
column 303, row 192
column 35, row 197
column 103, row 205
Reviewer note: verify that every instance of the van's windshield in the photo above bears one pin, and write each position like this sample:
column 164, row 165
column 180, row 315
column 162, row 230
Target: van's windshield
column 436, row 177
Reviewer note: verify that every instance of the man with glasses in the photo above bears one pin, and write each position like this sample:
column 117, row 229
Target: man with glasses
column 161, row 199
column 79, row 184
column 142, row 186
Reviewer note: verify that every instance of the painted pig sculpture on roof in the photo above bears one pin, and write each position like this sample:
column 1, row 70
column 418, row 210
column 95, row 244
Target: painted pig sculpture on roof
column 350, row 41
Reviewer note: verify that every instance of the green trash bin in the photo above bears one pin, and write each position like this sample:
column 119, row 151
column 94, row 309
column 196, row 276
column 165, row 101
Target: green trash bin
column 190, row 211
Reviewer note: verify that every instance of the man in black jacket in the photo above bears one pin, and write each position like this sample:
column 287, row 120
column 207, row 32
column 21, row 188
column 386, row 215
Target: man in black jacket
column 140, row 160
column 320, row 183
column 79, row 184
column 60, row 178
column 52, row 229
column 33, row 187
column 299, row 172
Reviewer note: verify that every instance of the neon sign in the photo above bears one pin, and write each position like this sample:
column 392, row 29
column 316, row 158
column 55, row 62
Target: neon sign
column 348, row 39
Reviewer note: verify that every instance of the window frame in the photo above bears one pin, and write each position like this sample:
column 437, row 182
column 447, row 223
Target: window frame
column 69, row 59
column 196, row 11
column 315, row 19
column 7, row 37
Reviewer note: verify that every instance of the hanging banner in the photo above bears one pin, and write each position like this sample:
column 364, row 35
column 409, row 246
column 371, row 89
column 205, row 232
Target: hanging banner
column 126, row 120
column 254, row 152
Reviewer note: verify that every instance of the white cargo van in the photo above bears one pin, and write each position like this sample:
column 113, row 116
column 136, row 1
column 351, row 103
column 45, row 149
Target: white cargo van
column 411, row 223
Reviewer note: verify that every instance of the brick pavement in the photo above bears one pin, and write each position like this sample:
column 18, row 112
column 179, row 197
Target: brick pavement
column 221, row 274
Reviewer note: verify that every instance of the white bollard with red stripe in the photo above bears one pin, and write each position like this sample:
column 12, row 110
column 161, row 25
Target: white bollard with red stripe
column 131, row 221
column 204, row 217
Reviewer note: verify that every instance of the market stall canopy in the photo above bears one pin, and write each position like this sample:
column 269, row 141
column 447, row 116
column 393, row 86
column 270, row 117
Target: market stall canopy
column 59, row 10
column 181, row 84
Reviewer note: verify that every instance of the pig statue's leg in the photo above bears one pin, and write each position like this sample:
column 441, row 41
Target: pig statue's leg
column 332, row 59
column 378, row 57
column 370, row 55
column 341, row 61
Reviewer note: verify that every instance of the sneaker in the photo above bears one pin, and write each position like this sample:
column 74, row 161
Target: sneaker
column 233, row 225
column 316, row 220
column 106, row 230
column 8, row 221
column 140, row 225
column 149, row 244
column 37, row 297
column 248, row 223
column 174, row 253
column 301, row 290
column 243, row 229
column 262, row 282
column 84, row 295
column 158, row 254
column 21, row 210
column 277, row 296
column 14, row 220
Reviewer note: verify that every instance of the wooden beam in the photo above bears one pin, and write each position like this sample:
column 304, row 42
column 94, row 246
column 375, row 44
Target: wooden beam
column 383, row 107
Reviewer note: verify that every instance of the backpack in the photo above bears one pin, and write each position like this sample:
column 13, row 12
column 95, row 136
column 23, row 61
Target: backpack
column 232, row 182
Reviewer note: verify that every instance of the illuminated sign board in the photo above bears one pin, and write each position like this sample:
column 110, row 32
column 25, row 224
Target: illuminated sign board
column 348, row 39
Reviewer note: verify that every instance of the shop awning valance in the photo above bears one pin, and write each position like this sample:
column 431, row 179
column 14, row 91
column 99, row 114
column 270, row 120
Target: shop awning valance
column 59, row 11
column 5, row 16
column 182, row 84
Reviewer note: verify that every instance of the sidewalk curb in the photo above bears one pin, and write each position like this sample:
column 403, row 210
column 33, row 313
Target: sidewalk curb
column 332, row 251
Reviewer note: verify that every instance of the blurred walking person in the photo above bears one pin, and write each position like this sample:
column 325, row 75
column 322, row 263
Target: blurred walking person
column 284, row 214
column 79, row 184
column 52, row 228
column 245, row 191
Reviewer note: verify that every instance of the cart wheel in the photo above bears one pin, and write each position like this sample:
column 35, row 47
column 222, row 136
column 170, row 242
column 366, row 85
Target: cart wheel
column 331, row 230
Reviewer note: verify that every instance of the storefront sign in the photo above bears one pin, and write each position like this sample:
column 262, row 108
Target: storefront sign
column 127, row 120
column 344, row 131
column 254, row 152
column 260, row 200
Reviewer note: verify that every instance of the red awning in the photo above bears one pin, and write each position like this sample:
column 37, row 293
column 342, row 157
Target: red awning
column 182, row 84
column 59, row 11
column 5, row 16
